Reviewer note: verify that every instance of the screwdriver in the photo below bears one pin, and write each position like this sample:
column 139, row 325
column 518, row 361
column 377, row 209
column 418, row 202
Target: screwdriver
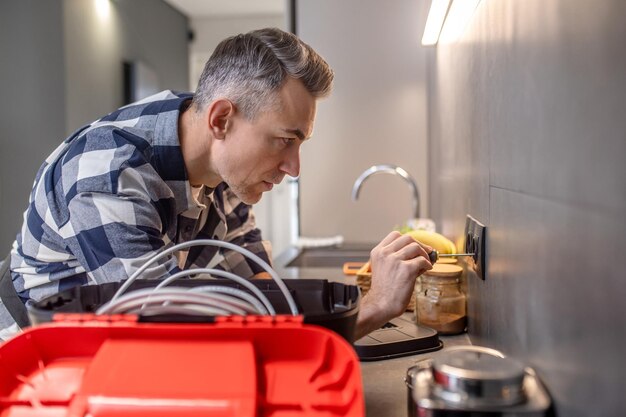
column 435, row 255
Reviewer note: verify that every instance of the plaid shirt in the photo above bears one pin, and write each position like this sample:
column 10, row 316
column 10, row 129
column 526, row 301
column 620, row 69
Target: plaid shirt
column 115, row 193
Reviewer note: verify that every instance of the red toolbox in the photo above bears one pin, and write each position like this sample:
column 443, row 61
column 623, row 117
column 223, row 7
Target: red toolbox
column 114, row 366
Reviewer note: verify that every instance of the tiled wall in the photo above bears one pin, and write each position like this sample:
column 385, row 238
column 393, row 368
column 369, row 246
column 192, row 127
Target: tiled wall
column 528, row 134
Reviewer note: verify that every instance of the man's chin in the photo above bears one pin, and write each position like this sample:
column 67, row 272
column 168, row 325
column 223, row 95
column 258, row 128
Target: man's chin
column 253, row 200
column 249, row 195
column 250, row 198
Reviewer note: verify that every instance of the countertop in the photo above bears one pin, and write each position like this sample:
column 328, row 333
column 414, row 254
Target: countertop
column 383, row 381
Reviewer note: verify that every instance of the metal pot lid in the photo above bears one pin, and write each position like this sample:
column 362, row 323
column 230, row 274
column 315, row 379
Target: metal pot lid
column 414, row 370
column 473, row 374
column 410, row 375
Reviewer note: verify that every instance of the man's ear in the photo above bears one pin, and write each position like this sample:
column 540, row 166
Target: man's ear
column 219, row 115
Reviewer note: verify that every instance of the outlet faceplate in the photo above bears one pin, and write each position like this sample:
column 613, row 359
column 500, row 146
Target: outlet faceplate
column 475, row 242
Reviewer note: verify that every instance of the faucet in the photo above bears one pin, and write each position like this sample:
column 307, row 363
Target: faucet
column 389, row 169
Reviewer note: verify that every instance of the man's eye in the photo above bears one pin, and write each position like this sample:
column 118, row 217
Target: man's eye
column 287, row 141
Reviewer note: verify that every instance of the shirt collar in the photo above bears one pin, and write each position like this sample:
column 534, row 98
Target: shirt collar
column 167, row 155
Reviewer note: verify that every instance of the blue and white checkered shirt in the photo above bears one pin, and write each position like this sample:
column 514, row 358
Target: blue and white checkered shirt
column 115, row 193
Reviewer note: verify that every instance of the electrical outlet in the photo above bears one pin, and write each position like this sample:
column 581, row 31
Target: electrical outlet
column 475, row 242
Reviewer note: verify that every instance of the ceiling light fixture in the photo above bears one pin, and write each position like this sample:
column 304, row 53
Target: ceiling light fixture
column 436, row 17
column 458, row 17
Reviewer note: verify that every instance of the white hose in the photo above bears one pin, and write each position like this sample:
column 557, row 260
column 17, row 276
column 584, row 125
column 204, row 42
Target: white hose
column 281, row 285
column 260, row 308
column 224, row 274
column 145, row 297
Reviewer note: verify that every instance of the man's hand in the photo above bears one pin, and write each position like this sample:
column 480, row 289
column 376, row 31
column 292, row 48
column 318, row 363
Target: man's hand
column 396, row 262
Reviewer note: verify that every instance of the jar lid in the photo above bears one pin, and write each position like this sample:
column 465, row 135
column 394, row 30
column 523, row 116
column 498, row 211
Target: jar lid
column 444, row 270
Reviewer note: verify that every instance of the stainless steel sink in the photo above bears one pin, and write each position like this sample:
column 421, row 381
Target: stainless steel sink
column 328, row 257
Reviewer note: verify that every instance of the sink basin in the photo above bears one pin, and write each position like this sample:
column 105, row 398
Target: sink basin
column 329, row 257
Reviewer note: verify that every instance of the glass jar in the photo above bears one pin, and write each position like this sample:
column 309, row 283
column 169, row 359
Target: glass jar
column 440, row 303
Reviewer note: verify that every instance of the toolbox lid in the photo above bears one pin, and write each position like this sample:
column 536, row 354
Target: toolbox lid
column 238, row 366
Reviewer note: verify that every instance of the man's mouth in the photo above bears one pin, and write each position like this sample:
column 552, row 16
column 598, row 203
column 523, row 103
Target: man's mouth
column 274, row 181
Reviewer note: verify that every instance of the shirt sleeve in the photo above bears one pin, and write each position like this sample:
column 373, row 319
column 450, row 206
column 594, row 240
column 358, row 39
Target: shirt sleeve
column 113, row 236
column 113, row 230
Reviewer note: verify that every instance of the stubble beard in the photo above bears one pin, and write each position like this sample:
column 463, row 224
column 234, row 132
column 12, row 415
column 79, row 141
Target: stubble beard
column 245, row 193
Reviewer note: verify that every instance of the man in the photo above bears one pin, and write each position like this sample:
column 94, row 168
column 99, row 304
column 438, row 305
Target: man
column 178, row 167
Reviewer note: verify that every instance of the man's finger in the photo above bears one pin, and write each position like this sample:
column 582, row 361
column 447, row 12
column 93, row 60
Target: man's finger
column 421, row 263
column 427, row 248
column 412, row 250
column 400, row 242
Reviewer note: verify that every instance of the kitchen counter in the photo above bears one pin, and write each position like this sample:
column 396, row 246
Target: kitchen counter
column 383, row 381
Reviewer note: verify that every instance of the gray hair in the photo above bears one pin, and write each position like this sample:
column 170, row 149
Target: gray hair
column 250, row 68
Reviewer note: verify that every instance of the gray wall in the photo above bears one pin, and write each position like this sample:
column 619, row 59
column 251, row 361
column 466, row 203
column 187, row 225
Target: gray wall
column 210, row 31
column 376, row 114
column 61, row 68
column 528, row 134
column 32, row 108
column 150, row 31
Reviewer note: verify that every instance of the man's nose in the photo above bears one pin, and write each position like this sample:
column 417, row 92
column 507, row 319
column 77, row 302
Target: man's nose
column 291, row 164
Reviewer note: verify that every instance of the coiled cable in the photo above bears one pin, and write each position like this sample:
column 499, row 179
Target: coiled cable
column 138, row 301
column 135, row 301
column 259, row 307
column 224, row 274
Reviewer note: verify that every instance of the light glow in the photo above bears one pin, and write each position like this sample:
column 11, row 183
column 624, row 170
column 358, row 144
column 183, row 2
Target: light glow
column 460, row 13
column 436, row 16
column 103, row 8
